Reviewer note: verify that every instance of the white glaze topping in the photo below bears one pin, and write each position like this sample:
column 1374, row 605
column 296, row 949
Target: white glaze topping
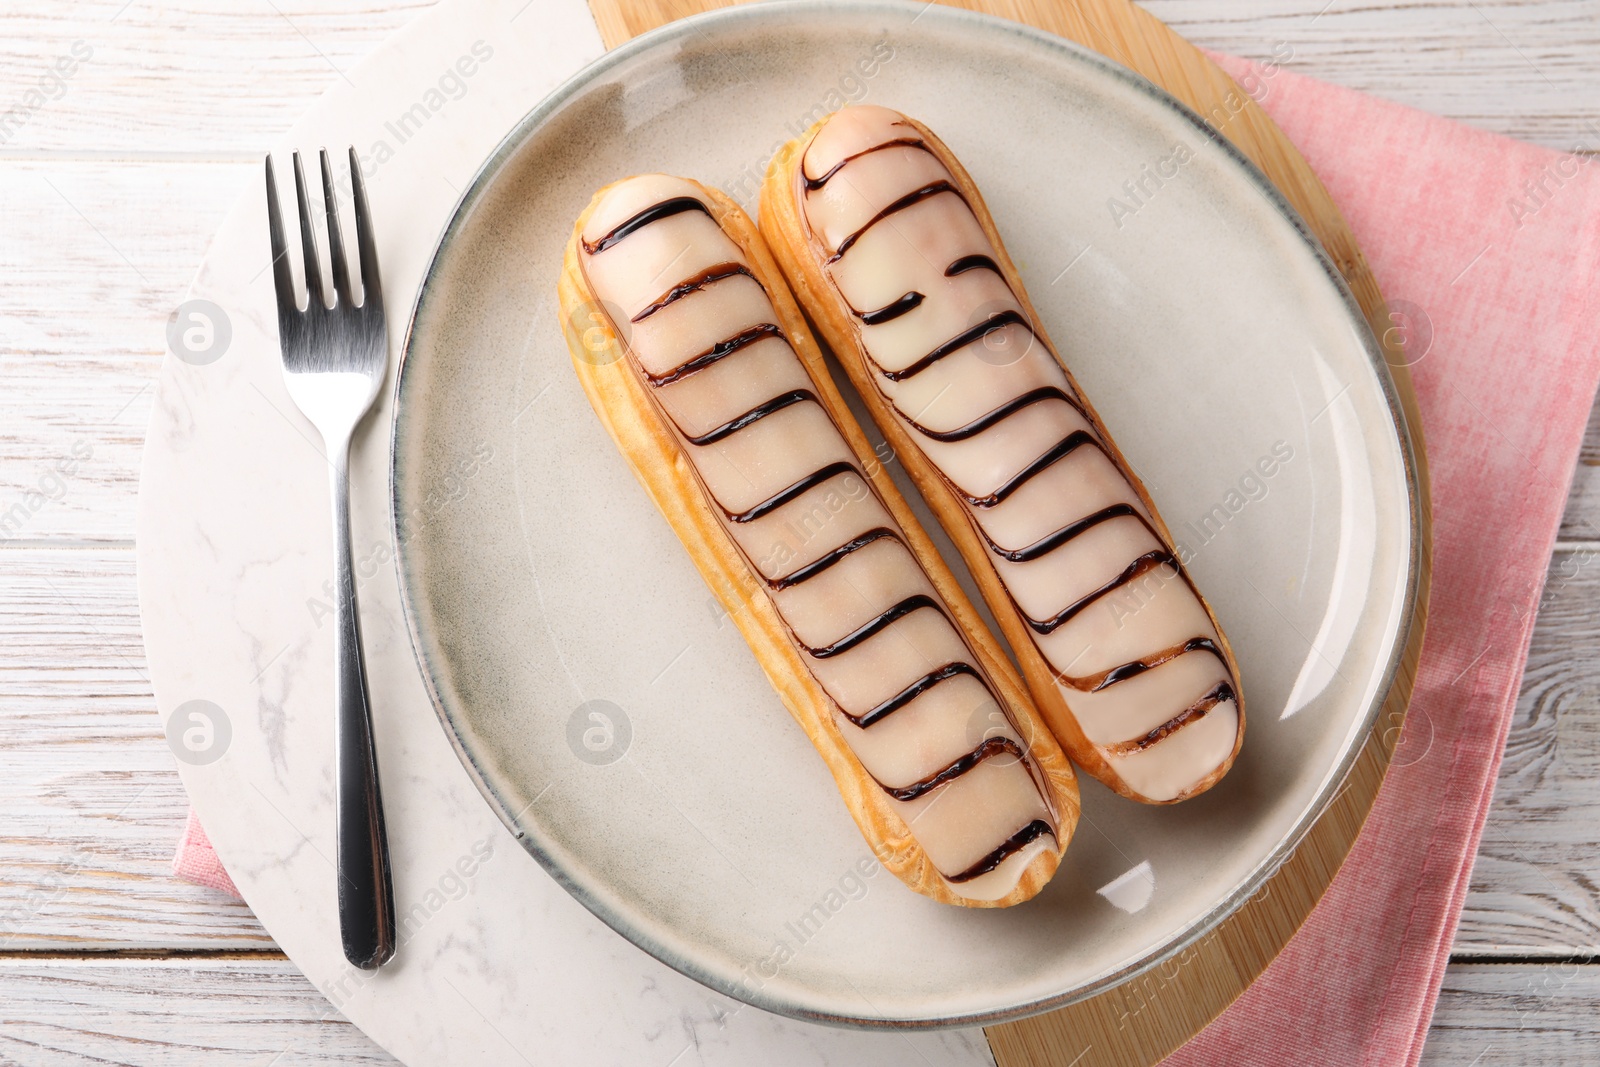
column 702, row 334
column 949, row 346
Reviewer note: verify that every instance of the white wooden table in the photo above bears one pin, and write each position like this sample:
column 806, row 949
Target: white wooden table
column 110, row 185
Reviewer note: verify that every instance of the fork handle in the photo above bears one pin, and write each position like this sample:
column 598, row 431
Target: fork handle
column 366, row 896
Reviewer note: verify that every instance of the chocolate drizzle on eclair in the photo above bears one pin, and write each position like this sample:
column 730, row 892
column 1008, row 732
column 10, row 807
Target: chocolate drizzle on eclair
column 694, row 284
column 889, row 312
column 912, row 691
column 915, row 196
column 1094, row 683
column 1220, row 693
column 813, row 184
column 831, row 225
column 653, row 213
column 790, row 492
column 998, row 321
column 998, row 415
column 717, row 352
column 963, row 264
column 1015, row 843
column 754, row 415
column 842, row 472
column 816, row 567
column 994, row 746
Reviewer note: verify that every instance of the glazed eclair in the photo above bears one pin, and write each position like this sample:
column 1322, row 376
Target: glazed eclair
column 699, row 364
column 890, row 248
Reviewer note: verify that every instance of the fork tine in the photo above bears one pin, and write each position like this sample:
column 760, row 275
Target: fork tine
column 282, row 275
column 341, row 269
column 308, row 239
column 371, row 290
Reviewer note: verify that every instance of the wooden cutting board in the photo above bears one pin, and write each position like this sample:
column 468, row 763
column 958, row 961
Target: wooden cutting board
column 1145, row 1019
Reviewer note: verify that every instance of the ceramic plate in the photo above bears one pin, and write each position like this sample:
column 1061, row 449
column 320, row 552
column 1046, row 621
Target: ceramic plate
column 615, row 718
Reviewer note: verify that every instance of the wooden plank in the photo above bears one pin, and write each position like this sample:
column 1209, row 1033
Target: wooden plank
column 249, row 1013
column 156, row 75
column 1582, row 519
column 1501, row 1015
column 95, row 258
column 73, row 1013
column 1522, row 69
column 211, row 79
column 93, row 805
column 1534, row 890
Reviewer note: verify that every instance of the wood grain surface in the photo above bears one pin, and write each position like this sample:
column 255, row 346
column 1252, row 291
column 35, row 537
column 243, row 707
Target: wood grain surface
column 151, row 144
column 261, row 1013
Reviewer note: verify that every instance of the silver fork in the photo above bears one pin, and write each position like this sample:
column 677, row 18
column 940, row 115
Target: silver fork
column 334, row 359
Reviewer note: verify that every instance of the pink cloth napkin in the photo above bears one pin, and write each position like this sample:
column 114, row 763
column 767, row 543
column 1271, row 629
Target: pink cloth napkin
column 1487, row 249
column 197, row 861
column 1491, row 246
